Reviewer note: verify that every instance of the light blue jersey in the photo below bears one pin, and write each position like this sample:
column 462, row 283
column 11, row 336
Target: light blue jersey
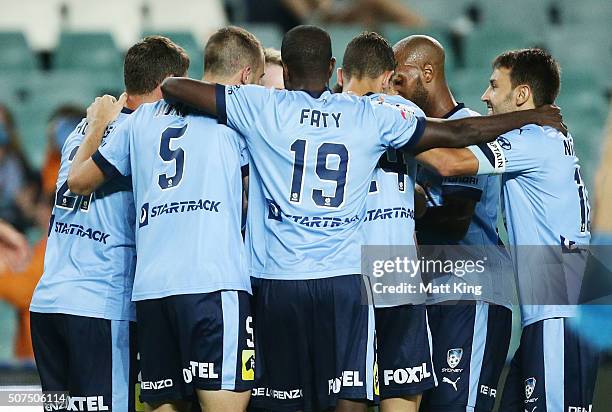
column 545, row 202
column 481, row 239
column 91, row 253
column 389, row 217
column 188, row 192
column 314, row 158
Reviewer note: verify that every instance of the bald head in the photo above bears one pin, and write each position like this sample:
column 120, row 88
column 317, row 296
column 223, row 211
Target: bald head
column 419, row 75
column 419, row 51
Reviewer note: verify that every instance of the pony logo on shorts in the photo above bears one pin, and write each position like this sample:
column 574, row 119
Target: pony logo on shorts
column 530, row 384
column 453, row 357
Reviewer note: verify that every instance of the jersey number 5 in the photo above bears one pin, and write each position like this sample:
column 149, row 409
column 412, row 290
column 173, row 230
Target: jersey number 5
column 169, row 155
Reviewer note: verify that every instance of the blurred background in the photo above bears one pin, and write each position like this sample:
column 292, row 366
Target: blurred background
column 57, row 55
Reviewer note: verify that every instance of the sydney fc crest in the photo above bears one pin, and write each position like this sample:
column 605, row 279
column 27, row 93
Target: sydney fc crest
column 530, row 384
column 453, row 357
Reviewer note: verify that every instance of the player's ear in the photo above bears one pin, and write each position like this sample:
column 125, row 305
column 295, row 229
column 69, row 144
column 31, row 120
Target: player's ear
column 246, row 75
column 286, row 77
column 523, row 94
column 332, row 65
column 428, row 73
column 340, row 77
column 387, row 79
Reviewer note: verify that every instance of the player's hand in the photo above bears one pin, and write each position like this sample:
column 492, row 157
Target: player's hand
column 14, row 248
column 550, row 115
column 105, row 109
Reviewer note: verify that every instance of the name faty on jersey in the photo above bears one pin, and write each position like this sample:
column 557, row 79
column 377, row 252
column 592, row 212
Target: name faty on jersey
column 320, row 221
column 78, row 230
column 389, row 213
column 316, row 118
column 185, row 206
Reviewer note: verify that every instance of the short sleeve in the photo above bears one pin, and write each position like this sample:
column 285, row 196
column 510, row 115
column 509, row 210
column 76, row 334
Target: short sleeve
column 113, row 156
column 509, row 153
column 240, row 107
column 469, row 187
column 399, row 126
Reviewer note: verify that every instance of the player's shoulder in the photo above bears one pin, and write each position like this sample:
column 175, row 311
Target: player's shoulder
column 461, row 112
column 75, row 137
column 531, row 132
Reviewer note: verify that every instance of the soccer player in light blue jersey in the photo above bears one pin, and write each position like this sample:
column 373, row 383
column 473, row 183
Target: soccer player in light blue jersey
column 402, row 331
column 191, row 286
column 461, row 211
column 82, row 317
column 313, row 155
column 547, row 212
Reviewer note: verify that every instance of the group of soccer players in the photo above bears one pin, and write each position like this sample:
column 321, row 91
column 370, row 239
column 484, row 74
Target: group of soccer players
column 148, row 217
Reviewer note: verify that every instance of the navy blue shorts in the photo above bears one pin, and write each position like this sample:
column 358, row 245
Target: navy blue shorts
column 552, row 370
column 315, row 343
column 470, row 346
column 404, row 351
column 200, row 341
column 93, row 359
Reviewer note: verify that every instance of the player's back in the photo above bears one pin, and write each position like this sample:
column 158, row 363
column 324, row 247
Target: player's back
column 90, row 255
column 188, row 191
column 314, row 157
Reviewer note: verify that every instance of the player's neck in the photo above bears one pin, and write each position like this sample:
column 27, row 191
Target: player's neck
column 134, row 101
column 362, row 87
column 314, row 86
column 226, row 81
column 442, row 104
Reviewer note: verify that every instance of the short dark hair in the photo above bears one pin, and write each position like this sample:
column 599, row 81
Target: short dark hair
column 368, row 55
column 535, row 68
column 230, row 49
column 150, row 61
column 307, row 51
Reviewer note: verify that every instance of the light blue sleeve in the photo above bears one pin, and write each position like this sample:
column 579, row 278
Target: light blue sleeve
column 512, row 152
column 399, row 125
column 241, row 107
column 113, row 156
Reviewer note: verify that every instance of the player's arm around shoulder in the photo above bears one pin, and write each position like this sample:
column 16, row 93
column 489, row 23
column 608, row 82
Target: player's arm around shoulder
column 85, row 176
column 449, row 162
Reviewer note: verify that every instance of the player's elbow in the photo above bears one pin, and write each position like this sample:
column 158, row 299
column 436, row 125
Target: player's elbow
column 78, row 185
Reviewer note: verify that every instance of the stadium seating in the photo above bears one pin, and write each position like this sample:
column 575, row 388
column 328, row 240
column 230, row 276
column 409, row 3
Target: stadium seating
column 483, row 44
column 16, row 54
column 119, row 17
column 201, row 17
column 87, row 51
column 39, row 20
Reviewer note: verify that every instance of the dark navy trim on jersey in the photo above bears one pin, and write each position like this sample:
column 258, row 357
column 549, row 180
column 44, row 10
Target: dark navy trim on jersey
column 125, row 110
column 245, row 170
column 107, row 168
column 463, row 191
column 418, row 133
column 315, row 95
column 221, row 108
column 487, row 152
column 454, row 110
